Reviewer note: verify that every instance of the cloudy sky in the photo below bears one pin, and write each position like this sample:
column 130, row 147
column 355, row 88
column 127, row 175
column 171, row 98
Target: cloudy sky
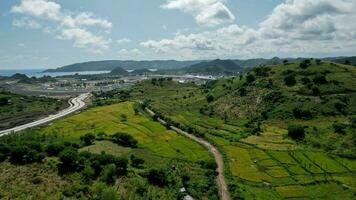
column 52, row 33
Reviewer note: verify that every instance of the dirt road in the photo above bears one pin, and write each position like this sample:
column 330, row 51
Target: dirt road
column 223, row 189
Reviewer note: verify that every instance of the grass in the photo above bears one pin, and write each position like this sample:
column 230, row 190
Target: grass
column 150, row 135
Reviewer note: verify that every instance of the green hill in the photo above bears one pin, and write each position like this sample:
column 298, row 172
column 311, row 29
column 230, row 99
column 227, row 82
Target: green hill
column 228, row 67
column 119, row 71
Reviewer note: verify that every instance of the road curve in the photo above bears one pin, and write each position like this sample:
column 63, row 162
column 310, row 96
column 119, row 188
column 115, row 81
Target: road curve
column 76, row 104
column 223, row 189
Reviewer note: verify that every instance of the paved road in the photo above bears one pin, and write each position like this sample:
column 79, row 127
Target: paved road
column 76, row 104
column 223, row 189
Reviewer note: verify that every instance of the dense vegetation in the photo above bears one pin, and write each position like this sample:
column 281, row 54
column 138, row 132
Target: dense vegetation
column 18, row 109
column 289, row 127
column 285, row 130
column 108, row 152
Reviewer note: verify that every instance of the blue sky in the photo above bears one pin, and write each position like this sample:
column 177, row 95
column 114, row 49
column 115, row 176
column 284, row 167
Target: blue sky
column 49, row 33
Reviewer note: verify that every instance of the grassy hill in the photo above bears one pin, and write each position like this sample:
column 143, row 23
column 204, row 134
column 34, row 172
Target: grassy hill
column 227, row 67
column 286, row 130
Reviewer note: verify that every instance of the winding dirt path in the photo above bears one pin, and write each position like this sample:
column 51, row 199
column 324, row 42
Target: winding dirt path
column 223, row 189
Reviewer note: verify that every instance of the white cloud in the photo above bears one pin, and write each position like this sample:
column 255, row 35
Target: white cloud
column 38, row 8
column 206, row 12
column 26, row 23
column 64, row 25
column 130, row 54
column 83, row 38
column 296, row 27
column 85, row 19
column 123, row 40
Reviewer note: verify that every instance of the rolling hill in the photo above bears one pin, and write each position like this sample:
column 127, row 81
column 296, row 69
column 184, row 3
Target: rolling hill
column 226, row 67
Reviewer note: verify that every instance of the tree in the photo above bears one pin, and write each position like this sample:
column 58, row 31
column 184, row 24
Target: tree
column 340, row 128
column 87, row 139
column 290, row 80
column 157, row 177
column 4, row 101
column 53, row 149
column 124, row 139
column 285, row 62
column 305, row 64
column 250, row 78
column 108, row 175
column 210, row 98
column 69, row 160
column 305, row 80
column 320, row 79
column 88, row 174
column 315, row 91
column 318, row 61
column 347, row 62
column 24, row 155
column 136, row 162
column 296, row 132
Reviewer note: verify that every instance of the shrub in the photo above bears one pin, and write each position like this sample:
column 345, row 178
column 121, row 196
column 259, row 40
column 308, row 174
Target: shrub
column 69, row 160
column 2, row 157
column 315, row 91
column 121, row 166
column 24, row 155
column 124, row 139
column 290, row 80
column 54, row 149
column 250, row 78
column 305, row 80
column 4, row 101
column 320, row 79
column 88, row 173
column 136, row 162
column 302, row 114
column 108, row 175
column 305, row 64
column 210, row 98
column 296, row 132
column 87, row 139
column 340, row 128
column 157, row 177
column 211, row 164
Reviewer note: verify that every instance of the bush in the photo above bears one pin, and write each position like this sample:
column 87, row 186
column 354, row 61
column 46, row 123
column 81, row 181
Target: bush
column 305, row 64
column 320, row 79
column 24, row 155
column 302, row 114
column 87, row 139
column 315, row 91
column 250, row 78
column 340, row 128
column 108, row 175
column 4, row 101
column 157, row 177
column 2, row 157
column 305, row 80
column 296, row 132
column 211, row 164
column 54, row 149
column 290, row 80
column 210, row 98
column 136, row 162
column 88, row 173
column 124, row 139
column 69, row 160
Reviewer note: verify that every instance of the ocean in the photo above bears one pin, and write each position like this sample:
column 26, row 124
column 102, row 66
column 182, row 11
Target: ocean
column 39, row 73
